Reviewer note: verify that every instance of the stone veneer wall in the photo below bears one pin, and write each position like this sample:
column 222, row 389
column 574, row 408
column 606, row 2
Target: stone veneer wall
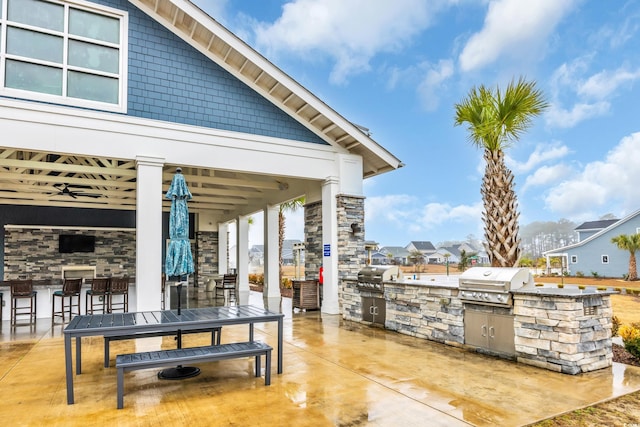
column 206, row 259
column 553, row 332
column 433, row 313
column 313, row 240
column 568, row 334
column 33, row 253
column 351, row 254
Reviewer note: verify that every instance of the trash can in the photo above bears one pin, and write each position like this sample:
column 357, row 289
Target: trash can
column 306, row 294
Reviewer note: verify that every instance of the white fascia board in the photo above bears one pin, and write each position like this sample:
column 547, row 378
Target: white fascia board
column 252, row 55
column 41, row 127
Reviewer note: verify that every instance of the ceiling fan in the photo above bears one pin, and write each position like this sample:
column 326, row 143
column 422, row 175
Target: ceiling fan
column 64, row 190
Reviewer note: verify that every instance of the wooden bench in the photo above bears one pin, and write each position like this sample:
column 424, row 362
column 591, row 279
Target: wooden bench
column 216, row 333
column 165, row 358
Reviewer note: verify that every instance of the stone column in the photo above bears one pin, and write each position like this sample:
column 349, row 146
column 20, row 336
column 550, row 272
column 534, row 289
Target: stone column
column 242, row 259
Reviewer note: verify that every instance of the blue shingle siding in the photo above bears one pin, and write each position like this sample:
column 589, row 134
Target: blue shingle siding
column 171, row 81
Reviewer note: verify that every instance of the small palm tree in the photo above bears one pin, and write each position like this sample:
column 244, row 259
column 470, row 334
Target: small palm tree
column 496, row 120
column 417, row 259
column 629, row 243
column 290, row 206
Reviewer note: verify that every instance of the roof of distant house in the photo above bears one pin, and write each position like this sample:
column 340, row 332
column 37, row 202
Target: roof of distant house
column 423, row 245
column 596, row 225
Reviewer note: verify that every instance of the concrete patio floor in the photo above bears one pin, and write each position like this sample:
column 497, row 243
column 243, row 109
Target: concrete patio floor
column 336, row 373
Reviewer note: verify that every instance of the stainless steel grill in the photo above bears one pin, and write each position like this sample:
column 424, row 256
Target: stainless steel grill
column 492, row 285
column 372, row 277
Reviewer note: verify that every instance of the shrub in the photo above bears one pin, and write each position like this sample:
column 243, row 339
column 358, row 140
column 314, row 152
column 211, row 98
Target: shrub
column 595, row 274
column 581, row 287
column 257, row 279
column 630, row 335
column 615, row 326
column 579, row 274
column 560, row 285
column 539, row 284
column 602, row 288
column 286, row 283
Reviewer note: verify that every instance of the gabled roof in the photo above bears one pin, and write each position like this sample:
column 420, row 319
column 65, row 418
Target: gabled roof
column 208, row 36
column 614, row 225
column 596, row 225
column 396, row 251
column 423, row 245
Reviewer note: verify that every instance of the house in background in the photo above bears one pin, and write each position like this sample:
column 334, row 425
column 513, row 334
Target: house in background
column 395, row 254
column 594, row 253
column 589, row 228
column 425, row 247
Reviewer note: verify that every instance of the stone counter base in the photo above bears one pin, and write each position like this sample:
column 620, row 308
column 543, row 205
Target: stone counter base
column 568, row 334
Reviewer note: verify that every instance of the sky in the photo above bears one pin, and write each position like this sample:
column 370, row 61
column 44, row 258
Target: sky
column 398, row 67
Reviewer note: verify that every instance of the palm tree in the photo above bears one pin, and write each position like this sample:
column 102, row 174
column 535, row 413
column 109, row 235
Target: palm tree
column 417, row 259
column 495, row 120
column 290, row 206
column 629, row 243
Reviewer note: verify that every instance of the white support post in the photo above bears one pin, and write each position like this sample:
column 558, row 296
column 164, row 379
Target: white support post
column 330, row 303
column 271, row 256
column 242, row 258
column 223, row 247
column 148, row 233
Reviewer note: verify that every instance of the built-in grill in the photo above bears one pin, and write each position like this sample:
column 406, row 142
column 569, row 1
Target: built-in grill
column 492, row 285
column 371, row 277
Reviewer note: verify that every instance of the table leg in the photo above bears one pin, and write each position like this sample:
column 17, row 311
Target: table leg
column 78, row 356
column 251, row 332
column 280, row 332
column 68, row 368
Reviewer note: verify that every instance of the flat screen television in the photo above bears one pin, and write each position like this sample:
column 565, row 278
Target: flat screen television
column 69, row 243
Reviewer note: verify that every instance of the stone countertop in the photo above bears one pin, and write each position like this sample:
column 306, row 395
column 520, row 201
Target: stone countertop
column 567, row 291
column 40, row 283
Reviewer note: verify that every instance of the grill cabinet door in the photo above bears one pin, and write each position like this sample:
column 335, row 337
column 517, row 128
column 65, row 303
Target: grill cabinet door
column 501, row 334
column 374, row 310
column 476, row 328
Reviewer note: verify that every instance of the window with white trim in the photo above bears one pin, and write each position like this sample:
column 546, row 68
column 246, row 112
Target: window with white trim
column 574, row 259
column 63, row 52
column 605, row 259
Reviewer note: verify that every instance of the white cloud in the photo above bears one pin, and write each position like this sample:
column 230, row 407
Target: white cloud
column 602, row 85
column 546, row 175
column 542, row 153
column 591, row 94
column 515, row 28
column 436, row 214
column 434, row 79
column 557, row 116
column 217, row 9
column 393, row 207
column 611, row 184
column 349, row 32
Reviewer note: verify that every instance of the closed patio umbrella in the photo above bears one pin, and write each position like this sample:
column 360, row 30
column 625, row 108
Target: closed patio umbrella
column 179, row 260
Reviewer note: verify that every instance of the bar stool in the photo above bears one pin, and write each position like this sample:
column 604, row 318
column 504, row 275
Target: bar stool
column 70, row 289
column 119, row 286
column 99, row 289
column 23, row 289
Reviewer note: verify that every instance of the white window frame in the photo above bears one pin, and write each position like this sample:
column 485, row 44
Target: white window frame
column 574, row 259
column 605, row 259
column 121, row 15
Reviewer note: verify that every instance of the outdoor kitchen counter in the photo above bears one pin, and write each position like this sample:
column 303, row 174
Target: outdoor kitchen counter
column 565, row 330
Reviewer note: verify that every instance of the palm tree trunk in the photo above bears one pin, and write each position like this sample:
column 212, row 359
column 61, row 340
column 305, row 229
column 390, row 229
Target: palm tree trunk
column 633, row 270
column 500, row 214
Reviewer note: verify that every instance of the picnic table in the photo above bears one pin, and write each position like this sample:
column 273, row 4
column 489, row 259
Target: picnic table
column 162, row 321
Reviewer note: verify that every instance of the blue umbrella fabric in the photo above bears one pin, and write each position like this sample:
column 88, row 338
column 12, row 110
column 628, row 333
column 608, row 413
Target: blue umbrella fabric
column 179, row 260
